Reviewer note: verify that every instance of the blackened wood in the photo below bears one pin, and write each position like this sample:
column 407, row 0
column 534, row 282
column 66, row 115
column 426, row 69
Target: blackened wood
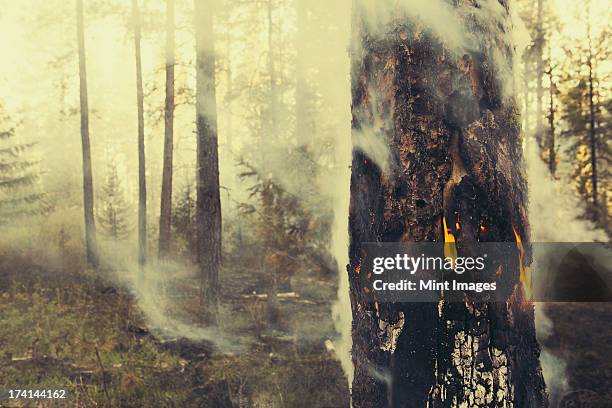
column 452, row 129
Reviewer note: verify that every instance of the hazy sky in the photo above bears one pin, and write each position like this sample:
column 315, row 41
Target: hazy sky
column 34, row 33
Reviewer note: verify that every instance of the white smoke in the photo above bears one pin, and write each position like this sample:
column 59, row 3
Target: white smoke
column 559, row 222
column 341, row 310
column 157, row 293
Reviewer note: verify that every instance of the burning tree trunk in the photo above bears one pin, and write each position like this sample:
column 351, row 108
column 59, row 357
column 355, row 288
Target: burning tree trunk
column 88, row 195
column 208, row 209
column 165, row 215
column 142, row 184
column 453, row 139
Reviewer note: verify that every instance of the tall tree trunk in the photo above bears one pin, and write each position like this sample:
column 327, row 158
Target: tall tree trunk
column 552, row 154
column 88, row 190
column 301, row 111
column 208, row 207
column 539, row 54
column 229, row 95
column 165, row 214
column 592, row 118
column 454, row 148
column 273, row 108
column 142, row 183
column 526, row 112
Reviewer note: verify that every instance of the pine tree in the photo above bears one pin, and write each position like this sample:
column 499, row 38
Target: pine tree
column 142, row 183
column 586, row 117
column 114, row 214
column 184, row 220
column 88, row 188
column 20, row 194
column 290, row 235
column 208, row 208
column 165, row 216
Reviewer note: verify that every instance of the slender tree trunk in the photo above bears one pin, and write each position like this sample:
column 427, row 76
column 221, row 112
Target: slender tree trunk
column 592, row 118
column 208, row 207
column 165, row 214
column 273, row 109
column 539, row 72
column 301, row 112
column 454, row 151
column 552, row 157
column 142, row 184
column 229, row 97
column 526, row 114
column 88, row 190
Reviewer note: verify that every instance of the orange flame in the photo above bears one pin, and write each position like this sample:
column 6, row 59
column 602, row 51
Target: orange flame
column 450, row 249
column 524, row 275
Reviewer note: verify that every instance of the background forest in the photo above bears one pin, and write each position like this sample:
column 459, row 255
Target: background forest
column 215, row 189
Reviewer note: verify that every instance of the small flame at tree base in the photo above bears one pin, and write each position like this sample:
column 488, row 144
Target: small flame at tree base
column 524, row 277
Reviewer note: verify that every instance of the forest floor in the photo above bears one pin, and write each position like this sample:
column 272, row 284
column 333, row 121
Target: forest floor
column 76, row 331
column 581, row 337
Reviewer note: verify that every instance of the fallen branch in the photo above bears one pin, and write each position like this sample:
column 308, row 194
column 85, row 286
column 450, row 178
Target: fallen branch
column 284, row 295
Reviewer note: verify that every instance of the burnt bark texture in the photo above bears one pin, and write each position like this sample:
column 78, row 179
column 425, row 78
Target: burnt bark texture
column 88, row 189
column 453, row 134
column 142, row 183
column 208, row 195
column 165, row 215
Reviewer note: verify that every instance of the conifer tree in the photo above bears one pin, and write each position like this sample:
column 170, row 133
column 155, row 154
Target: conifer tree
column 114, row 214
column 20, row 194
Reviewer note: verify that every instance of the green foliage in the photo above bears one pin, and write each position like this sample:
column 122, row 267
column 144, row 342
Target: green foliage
column 291, row 236
column 114, row 214
column 580, row 88
column 273, row 380
column 53, row 330
column 20, row 194
column 184, row 222
column 50, row 337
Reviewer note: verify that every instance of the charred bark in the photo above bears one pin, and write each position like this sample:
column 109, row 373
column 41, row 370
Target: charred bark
column 165, row 215
column 208, row 208
column 88, row 191
column 142, row 183
column 453, row 136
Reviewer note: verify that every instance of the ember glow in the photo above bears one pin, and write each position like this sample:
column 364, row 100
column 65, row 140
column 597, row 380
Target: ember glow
column 524, row 275
column 450, row 249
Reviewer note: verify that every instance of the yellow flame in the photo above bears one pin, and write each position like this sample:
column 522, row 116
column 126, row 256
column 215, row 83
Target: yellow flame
column 450, row 249
column 524, row 275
